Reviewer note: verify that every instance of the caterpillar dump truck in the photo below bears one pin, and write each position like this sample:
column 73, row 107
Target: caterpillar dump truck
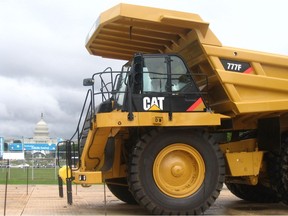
column 183, row 116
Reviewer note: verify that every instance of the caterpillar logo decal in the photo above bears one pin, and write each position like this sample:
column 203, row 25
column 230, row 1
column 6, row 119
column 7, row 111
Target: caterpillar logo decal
column 153, row 103
column 236, row 66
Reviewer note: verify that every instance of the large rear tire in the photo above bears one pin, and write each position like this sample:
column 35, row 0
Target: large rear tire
column 176, row 171
column 278, row 169
column 284, row 170
column 119, row 189
column 253, row 193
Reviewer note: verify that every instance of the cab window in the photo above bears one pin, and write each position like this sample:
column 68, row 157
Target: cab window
column 179, row 74
column 154, row 74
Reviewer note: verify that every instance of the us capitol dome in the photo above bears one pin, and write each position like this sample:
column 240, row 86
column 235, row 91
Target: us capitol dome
column 41, row 134
column 41, row 130
column 41, row 143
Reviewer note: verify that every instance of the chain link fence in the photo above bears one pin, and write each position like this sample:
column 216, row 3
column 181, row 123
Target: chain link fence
column 36, row 168
column 34, row 171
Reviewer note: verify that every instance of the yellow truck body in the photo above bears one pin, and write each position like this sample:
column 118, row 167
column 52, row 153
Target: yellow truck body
column 245, row 96
column 126, row 29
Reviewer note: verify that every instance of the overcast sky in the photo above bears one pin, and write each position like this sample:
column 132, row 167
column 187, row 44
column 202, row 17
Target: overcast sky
column 43, row 59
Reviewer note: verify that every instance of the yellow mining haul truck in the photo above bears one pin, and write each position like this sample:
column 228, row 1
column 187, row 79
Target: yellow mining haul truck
column 183, row 116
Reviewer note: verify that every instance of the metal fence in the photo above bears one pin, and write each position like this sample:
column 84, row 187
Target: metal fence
column 33, row 171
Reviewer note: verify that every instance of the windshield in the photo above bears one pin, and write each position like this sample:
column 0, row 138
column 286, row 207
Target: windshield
column 155, row 74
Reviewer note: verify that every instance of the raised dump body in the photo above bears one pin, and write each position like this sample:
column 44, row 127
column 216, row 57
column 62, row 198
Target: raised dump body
column 241, row 82
column 183, row 116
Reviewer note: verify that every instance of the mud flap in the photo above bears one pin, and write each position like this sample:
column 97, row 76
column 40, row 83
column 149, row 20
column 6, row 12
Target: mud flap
column 109, row 154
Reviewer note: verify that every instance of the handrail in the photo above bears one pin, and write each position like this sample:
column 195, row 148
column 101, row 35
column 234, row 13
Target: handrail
column 89, row 92
column 89, row 108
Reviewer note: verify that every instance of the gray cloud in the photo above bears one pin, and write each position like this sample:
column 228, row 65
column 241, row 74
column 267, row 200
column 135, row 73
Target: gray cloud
column 43, row 59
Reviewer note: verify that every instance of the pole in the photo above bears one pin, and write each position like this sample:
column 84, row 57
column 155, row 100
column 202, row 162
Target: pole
column 69, row 177
column 33, row 165
column 6, row 184
column 27, row 170
column 55, row 164
column 9, row 175
column 69, row 190
column 105, row 199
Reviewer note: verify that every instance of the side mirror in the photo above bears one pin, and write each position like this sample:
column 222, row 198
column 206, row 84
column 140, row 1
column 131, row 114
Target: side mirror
column 88, row 82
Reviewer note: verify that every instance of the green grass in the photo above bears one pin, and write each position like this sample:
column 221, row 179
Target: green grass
column 35, row 176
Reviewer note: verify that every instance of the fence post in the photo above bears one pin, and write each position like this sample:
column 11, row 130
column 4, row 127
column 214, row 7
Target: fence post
column 27, row 169
column 6, row 184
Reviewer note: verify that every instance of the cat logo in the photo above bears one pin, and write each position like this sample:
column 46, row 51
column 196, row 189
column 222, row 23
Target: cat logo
column 154, row 103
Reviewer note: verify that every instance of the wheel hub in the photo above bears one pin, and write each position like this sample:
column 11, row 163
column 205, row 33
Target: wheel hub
column 179, row 170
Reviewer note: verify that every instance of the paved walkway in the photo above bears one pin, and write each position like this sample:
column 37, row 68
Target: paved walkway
column 44, row 200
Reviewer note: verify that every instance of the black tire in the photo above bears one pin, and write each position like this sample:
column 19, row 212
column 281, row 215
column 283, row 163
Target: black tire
column 145, row 157
column 278, row 169
column 284, row 168
column 253, row 193
column 120, row 189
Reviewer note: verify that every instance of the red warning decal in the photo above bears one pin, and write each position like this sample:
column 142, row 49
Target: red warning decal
column 198, row 105
column 248, row 71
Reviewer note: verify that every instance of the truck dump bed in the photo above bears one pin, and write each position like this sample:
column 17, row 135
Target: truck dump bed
column 241, row 82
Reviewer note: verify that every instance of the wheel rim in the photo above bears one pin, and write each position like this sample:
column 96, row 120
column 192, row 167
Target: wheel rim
column 179, row 170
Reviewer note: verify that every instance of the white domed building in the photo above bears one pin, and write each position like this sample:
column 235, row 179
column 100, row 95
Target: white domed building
column 41, row 130
column 41, row 143
column 40, row 146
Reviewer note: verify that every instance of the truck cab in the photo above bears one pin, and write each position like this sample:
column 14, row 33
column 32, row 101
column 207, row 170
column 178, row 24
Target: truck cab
column 153, row 82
